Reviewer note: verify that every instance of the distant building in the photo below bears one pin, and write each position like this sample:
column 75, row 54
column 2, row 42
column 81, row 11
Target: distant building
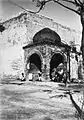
column 32, row 43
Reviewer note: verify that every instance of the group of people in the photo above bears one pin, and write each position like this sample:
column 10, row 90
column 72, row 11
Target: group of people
column 37, row 76
column 22, row 77
column 58, row 75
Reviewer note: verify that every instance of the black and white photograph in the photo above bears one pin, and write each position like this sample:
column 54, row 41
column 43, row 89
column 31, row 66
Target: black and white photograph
column 41, row 59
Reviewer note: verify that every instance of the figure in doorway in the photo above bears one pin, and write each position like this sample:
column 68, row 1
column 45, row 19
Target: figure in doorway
column 58, row 73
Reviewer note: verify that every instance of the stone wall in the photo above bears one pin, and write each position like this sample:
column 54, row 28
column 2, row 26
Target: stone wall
column 19, row 32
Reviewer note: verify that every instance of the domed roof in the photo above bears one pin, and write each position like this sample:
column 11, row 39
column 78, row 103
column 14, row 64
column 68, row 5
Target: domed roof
column 46, row 35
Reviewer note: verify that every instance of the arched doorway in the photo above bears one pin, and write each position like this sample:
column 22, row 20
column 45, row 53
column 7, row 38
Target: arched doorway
column 34, row 63
column 56, row 59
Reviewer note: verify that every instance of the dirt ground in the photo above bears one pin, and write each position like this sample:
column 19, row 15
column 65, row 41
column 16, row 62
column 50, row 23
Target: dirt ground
column 35, row 101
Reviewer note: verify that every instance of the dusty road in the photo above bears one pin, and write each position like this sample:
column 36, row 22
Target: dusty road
column 34, row 101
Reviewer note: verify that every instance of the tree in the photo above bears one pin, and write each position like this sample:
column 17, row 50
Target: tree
column 78, row 8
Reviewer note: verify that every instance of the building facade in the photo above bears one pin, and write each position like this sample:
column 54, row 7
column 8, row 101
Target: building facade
column 24, row 39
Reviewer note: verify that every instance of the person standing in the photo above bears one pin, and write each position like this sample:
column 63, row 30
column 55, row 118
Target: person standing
column 39, row 74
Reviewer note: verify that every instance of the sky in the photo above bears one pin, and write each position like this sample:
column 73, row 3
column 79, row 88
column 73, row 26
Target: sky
column 52, row 10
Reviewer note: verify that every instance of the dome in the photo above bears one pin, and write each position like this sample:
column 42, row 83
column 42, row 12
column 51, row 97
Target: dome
column 46, row 35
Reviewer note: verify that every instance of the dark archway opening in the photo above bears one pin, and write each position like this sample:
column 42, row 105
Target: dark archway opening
column 35, row 62
column 55, row 61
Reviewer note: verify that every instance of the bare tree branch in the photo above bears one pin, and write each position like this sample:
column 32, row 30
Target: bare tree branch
column 17, row 5
column 80, row 2
column 42, row 4
column 77, row 2
column 73, row 2
column 67, row 7
column 22, row 7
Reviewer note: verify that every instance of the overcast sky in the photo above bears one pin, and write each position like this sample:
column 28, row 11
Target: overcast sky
column 52, row 10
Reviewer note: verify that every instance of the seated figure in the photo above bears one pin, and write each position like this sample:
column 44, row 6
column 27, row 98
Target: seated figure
column 23, row 77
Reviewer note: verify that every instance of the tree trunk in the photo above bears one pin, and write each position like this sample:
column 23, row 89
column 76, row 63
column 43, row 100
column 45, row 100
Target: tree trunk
column 76, row 106
column 82, row 40
column 82, row 47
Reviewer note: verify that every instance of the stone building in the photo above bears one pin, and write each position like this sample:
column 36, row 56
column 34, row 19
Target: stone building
column 46, row 52
column 32, row 40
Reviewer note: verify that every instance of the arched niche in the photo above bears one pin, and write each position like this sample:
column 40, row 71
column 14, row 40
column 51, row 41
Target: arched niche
column 56, row 59
column 34, row 62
